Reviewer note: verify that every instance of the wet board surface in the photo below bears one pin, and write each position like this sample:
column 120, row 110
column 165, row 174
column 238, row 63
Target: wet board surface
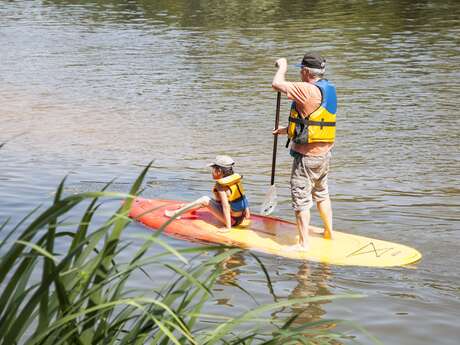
column 273, row 236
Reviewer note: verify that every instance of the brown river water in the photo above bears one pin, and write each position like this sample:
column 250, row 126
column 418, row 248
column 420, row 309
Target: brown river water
column 97, row 89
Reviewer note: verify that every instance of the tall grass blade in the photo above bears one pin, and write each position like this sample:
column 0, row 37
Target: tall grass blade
column 150, row 239
column 228, row 326
column 190, row 278
column 5, row 223
column 48, row 266
column 82, row 297
column 267, row 276
column 14, row 333
column 13, row 287
column 102, row 267
column 14, row 230
column 39, row 250
column 15, row 252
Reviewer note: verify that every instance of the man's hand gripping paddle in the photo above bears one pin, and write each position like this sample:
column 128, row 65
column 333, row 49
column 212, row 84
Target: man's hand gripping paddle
column 270, row 201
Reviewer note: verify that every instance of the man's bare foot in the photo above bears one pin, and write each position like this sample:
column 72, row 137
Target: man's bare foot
column 313, row 230
column 327, row 235
column 223, row 230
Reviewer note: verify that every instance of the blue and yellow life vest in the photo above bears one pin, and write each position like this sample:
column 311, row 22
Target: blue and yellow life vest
column 319, row 126
column 237, row 199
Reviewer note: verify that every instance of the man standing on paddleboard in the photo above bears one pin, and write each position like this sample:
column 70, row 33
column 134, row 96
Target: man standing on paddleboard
column 311, row 131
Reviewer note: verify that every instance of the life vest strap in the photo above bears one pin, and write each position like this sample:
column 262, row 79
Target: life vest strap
column 298, row 120
column 322, row 123
column 307, row 122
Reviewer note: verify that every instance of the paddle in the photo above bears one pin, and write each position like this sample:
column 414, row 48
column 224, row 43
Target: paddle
column 269, row 204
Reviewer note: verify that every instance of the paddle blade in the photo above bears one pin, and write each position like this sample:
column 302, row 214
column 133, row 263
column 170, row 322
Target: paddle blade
column 270, row 201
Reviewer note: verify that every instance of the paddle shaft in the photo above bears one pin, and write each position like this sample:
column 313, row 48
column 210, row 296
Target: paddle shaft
column 275, row 139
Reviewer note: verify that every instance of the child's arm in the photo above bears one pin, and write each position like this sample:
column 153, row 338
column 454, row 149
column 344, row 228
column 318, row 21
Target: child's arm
column 248, row 214
column 225, row 208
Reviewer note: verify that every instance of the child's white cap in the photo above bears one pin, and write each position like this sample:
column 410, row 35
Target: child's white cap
column 222, row 161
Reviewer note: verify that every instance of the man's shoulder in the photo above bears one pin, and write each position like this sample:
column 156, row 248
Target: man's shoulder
column 304, row 86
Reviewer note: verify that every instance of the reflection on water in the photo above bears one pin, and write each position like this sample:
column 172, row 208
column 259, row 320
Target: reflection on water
column 230, row 269
column 311, row 284
column 311, row 280
column 95, row 89
column 229, row 276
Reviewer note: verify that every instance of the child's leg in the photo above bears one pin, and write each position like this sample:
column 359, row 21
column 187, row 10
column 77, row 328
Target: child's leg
column 216, row 210
column 195, row 205
column 213, row 206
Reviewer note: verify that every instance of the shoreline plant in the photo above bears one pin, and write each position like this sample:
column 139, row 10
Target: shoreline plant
column 82, row 296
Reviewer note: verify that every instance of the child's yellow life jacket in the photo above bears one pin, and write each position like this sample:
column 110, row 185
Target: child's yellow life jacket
column 237, row 199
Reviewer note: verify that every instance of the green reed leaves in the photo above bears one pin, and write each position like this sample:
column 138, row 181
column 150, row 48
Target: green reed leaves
column 80, row 294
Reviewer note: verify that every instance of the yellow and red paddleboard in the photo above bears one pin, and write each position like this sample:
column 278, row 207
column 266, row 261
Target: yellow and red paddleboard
column 273, row 236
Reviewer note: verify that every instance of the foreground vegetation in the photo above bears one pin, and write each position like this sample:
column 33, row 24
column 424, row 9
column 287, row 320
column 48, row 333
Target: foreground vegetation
column 82, row 296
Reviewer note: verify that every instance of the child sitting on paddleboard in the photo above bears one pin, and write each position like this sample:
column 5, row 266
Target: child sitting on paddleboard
column 230, row 206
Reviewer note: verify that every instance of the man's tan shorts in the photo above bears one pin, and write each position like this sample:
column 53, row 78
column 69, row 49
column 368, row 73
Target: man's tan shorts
column 309, row 180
